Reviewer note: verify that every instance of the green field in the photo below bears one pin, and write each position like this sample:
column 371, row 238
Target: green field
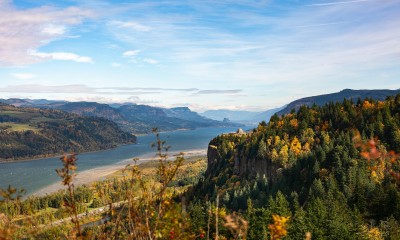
column 18, row 127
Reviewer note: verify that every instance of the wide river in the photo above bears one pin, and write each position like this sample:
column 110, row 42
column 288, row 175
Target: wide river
column 36, row 174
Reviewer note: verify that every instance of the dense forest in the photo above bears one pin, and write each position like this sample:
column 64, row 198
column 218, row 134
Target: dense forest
column 329, row 172
column 33, row 132
column 330, row 169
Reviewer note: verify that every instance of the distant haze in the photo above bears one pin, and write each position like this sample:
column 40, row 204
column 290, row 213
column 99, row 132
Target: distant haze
column 247, row 55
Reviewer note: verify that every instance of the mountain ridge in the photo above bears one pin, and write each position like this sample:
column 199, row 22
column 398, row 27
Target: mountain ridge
column 133, row 118
column 241, row 116
column 376, row 94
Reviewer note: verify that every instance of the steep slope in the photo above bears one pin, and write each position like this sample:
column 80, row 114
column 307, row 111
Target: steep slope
column 338, row 97
column 332, row 170
column 33, row 132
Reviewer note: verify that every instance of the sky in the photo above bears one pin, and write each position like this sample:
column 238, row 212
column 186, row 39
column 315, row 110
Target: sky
column 205, row 54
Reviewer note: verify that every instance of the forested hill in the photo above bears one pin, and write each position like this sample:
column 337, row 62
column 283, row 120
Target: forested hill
column 318, row 166
column 130, row 117
column 33, row 132
column 338, row 97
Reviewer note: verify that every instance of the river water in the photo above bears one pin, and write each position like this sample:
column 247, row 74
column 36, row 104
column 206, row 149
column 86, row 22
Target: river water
column 36, row 174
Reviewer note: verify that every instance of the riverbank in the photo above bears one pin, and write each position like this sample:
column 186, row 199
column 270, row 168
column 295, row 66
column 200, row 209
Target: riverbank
column 102, row 173
column 59, row 155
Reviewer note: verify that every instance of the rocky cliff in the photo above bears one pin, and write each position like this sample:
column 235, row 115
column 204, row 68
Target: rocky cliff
column 226, row 155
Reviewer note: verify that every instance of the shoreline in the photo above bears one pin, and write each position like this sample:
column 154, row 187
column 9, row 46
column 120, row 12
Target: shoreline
column 59, row 155
column 101, row 173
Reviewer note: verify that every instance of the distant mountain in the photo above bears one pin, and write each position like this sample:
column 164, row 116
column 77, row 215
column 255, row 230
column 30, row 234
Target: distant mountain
column 90, row 109
column 233, row 115
column 186, row 114
column 245, row 117
column 131, row 117
column 27, row 132
column 266, row 115
column 338, row 97
column 118, row 105
column 142, row 118
column 30, row 102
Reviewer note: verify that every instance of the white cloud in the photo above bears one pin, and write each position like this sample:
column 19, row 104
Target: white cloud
column 66, row 56
column 22, row 30
column 23, row 75
column 52, row 29
column 131, row 25
column 132, row 53
column 150, row 61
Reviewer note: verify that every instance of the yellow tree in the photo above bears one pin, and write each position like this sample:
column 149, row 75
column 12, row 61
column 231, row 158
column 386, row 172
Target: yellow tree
column 295, row 146
column 284, row 155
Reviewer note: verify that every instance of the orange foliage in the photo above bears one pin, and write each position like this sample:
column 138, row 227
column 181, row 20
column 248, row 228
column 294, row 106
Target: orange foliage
column 294, row 123
column 379, row 161
column 367, row 105
column 381, row 105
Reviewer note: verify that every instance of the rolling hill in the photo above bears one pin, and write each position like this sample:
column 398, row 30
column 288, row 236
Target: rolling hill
column 33, row 132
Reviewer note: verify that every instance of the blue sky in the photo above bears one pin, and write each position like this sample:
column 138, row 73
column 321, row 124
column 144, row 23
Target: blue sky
column 209, row 54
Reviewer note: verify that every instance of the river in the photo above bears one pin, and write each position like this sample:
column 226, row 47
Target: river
column 36, row 174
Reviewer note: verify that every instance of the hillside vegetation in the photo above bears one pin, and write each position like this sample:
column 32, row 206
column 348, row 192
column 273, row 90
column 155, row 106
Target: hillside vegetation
column 329, row 172
column 32, row 132
column 329, row 169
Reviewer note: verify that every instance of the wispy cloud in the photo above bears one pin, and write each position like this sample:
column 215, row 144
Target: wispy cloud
column 22, row 30
column 23, row 75
column 131, row 53
column 54, row 30
column 150, row 61
column 335, row 3
column 215, row 91
column 272, row 49
column 130, row 25
column 81, row 88
column 65, row 56
column 39, row 88
column 321, row 24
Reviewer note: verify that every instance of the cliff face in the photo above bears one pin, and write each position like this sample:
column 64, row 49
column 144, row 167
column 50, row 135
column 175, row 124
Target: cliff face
column 251, row 167
column 225, row 155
